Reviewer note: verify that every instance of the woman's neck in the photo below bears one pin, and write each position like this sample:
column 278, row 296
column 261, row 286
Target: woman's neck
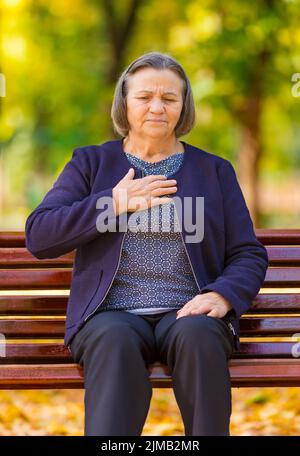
column 152, row 150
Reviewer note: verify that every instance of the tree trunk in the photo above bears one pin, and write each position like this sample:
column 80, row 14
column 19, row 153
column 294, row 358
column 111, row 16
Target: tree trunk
column 248, row 171
column 249, row 116
column 119, row 35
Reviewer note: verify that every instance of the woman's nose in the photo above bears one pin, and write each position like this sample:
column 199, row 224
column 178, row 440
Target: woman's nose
column 156, row 106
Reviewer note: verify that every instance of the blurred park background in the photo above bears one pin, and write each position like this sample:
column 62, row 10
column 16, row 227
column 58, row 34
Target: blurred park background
column 59, row 62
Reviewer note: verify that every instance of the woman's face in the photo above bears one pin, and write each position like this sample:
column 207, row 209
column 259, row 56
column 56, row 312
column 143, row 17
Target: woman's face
column 154, row 102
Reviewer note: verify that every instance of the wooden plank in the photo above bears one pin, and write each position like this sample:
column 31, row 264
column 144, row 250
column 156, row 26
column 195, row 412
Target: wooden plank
column 57, row 305
column 283, row 256
column 265, row 350
column 15, row 279
column 41, row 376
column 35, row 305
column 254, row 373
column 13, row 257
column 265, row 372
column 267, row 236
column 274, row 236
column 51, row 328
column 275, row 303
column 20, row 257
column 45, row 328
column 269, row 326
column 12, row 239
column 282, row 277
column 31, row 353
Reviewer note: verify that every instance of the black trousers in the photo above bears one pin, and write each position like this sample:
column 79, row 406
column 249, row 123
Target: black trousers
column 115, row 349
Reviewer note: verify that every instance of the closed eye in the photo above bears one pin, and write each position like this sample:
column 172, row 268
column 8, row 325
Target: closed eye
column 146, row 98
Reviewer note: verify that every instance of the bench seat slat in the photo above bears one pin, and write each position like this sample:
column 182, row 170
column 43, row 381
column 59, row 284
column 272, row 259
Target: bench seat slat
column 243, row 372
column 50, row 328
column 58, row 353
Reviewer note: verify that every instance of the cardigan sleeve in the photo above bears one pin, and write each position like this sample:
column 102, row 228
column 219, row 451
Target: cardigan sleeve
column 67, row 215
column 246, row 259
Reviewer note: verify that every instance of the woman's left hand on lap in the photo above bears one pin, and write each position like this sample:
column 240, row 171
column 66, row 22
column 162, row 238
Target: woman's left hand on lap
column 213, row 304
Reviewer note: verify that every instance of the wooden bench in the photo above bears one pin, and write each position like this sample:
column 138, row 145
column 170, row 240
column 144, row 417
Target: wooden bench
column 33, row 321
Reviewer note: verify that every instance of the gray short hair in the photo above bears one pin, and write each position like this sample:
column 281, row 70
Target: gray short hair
column 157, row 61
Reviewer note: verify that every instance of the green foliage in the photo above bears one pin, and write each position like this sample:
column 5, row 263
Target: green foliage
column 58, row 57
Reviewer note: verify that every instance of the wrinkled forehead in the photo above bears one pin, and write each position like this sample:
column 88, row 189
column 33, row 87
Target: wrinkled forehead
column 150, row 81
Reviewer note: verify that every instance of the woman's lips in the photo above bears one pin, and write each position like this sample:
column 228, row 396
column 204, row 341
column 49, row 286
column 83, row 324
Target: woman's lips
column 155, row 120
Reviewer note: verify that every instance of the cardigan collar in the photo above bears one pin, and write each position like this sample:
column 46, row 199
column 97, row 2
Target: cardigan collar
column 126, row 162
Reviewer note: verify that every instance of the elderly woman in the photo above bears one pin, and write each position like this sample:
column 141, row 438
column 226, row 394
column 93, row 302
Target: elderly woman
column 137, row 294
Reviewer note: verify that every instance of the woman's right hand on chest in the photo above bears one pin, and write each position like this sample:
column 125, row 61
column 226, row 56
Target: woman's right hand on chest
column 131, row 194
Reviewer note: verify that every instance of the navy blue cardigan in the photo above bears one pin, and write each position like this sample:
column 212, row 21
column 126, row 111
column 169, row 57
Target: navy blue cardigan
column 229, row 260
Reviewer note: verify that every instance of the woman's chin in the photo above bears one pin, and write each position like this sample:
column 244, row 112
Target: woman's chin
column 156, row 132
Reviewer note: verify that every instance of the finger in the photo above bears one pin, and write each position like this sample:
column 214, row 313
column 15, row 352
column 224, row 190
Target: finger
column 190, row 311
column 194, row 302
column 130, row 174
column 155, row 177
column 186, row 305
column 195, row 308
column 200, row 310
column 205, row 307
column 163, row 191
column 162, row 183
column 186, row 310
column 213, row 313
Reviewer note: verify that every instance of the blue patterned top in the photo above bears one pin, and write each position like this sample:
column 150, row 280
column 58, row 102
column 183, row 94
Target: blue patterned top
column 154, row 273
